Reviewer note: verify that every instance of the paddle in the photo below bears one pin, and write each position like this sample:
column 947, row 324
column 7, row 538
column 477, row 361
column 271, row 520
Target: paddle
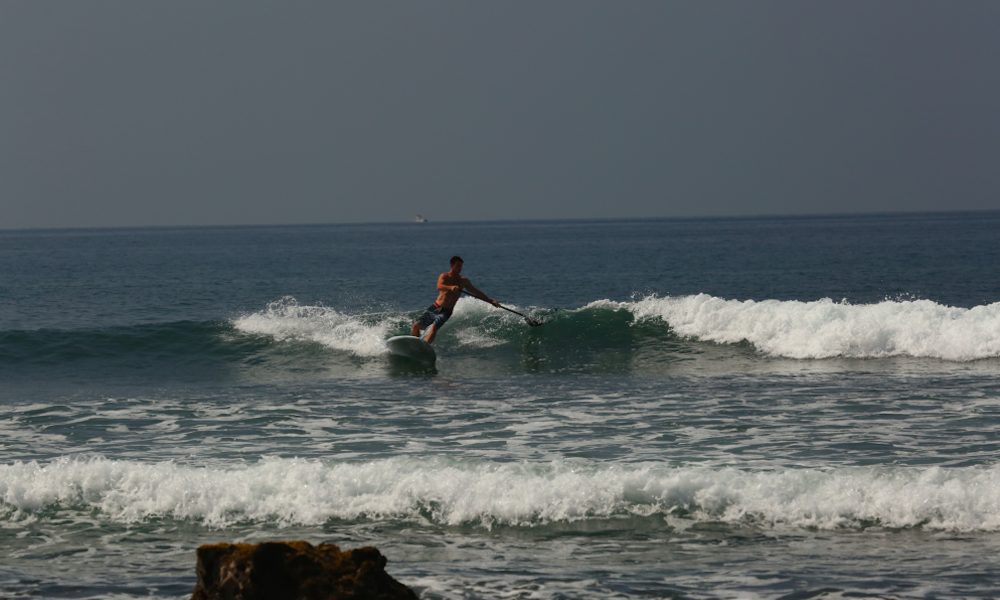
column 531, row 321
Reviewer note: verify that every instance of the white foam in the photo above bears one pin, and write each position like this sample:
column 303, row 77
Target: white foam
column 824, row 329
column 483, row 493
column 287, row 320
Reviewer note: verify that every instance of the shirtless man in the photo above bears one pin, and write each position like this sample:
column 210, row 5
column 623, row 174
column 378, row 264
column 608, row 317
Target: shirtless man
column 450, row 286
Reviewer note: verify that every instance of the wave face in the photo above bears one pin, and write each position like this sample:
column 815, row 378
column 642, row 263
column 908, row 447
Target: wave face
column 487, row 494
column 54, row 346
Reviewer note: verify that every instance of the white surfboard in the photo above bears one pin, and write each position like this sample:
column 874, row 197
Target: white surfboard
column 411, row 347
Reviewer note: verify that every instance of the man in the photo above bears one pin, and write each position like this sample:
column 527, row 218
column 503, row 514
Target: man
column 450, row 286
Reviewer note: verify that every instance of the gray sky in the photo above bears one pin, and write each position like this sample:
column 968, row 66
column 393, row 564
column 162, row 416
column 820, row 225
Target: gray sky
column 124, row 113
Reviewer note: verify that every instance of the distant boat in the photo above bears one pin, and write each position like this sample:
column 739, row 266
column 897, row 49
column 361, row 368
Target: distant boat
column 419, row 219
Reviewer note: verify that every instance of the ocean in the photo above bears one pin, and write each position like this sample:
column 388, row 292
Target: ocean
column 758, row 408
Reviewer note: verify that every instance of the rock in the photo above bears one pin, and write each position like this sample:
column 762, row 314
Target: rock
column 294, row 571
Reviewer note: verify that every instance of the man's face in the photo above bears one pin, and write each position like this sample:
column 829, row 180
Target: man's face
column 456, row 267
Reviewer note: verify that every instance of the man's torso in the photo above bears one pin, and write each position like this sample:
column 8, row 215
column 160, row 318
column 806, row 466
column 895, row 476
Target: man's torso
column 448, row 298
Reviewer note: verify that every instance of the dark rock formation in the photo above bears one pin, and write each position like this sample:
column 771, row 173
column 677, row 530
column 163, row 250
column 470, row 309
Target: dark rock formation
column 294, row 571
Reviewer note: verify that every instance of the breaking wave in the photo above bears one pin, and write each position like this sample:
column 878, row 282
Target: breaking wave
column 600, row 332
column 786, row 329
column 825, row 329
column 489, row 494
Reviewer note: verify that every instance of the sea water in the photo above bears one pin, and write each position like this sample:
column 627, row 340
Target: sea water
column 798, row 407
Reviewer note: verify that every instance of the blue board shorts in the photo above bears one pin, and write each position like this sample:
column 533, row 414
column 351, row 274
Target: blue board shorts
column 434, row 315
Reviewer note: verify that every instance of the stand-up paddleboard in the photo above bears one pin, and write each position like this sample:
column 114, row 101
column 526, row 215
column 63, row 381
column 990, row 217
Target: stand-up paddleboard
column 412, row 347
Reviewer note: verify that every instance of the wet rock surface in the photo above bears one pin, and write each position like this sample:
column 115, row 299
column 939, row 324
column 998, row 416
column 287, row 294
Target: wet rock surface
column 294, row 570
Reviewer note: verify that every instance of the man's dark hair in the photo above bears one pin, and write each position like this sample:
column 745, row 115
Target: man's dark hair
column 455, row 259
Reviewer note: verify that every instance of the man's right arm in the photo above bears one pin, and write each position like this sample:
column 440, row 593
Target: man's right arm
column 444, row 287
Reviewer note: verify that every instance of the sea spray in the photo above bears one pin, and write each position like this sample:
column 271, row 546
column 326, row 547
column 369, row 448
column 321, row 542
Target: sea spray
column 287, row 320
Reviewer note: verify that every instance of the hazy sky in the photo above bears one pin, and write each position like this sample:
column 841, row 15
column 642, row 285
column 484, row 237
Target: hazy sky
column 122, row 113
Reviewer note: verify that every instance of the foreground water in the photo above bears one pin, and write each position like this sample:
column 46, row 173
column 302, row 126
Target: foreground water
column 746, row 408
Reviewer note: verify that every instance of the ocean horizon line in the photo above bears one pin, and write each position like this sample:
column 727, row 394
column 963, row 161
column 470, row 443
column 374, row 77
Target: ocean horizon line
column 431, row 222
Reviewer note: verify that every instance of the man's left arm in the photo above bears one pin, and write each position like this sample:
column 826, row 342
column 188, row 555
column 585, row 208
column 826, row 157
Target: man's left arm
column 478, row 293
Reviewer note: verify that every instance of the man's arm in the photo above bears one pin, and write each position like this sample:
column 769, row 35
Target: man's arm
column 477, row 293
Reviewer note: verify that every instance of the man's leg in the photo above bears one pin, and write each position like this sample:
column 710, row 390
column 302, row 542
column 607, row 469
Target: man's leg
column 431, row 333
column 415, row 330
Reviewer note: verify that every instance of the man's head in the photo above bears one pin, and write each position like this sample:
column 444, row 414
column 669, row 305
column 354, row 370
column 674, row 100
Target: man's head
column 456, row 264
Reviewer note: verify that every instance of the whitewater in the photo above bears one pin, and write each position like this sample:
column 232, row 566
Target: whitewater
column 824, row 328
column 485, row 494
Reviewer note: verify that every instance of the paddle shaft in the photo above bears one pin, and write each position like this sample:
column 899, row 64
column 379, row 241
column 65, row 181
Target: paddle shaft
column 525, row 317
